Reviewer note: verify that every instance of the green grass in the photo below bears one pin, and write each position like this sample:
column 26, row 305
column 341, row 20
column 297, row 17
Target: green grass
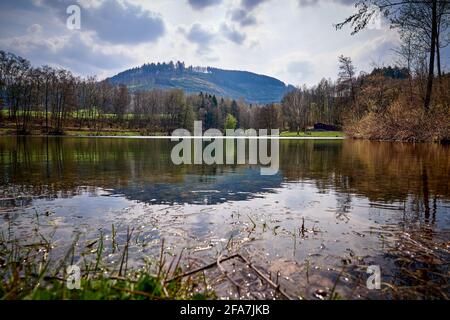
column 102, row 133
column 83, row 113
column 28, row 271
column 313, row 134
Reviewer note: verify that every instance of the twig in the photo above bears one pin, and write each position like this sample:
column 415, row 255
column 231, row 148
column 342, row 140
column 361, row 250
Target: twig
column 225, row 273
column 208, row 266
column 246, row 261
column 263, row 276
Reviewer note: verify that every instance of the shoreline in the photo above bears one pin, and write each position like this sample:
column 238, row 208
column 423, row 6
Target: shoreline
column 120, row 135
column 286, row 135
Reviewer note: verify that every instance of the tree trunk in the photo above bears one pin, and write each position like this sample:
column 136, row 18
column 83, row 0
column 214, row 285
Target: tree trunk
column 432, row 54
column 438, row 57
column 46, row 108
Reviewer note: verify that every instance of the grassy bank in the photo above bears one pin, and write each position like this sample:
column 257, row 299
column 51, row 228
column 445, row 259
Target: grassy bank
column 30, row 270
column 35, row 266
column 130, row 133
column 312, row 134
column 86, row 133
column 113, row 133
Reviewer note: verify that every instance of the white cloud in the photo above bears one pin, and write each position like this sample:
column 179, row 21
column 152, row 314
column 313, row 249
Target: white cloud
column 294, row 42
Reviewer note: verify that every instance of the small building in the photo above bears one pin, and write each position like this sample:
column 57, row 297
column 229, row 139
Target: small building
column 325, row 127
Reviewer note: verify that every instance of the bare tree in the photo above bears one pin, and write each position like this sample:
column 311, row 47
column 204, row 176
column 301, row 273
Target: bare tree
column 346, row 75
column 425, row 19
column 295, row 109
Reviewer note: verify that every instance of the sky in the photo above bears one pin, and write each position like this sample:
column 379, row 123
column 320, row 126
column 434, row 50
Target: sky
column 292, row 40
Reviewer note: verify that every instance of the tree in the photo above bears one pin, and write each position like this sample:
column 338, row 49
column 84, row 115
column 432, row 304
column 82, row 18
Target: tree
column 230, row 122
column 269, row 116
column 175, row 102
column 121, row 101
column 186, row 117
column 48, row 74
column 420, row 20
column 443, row 23
column 347, row 76
column 2, row 83
column 235, row 109
column 295, row 109
column 424, row 19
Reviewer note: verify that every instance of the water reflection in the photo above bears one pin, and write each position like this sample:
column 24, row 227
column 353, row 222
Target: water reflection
column 141, row 170
column 138, row 169
column 361, row 202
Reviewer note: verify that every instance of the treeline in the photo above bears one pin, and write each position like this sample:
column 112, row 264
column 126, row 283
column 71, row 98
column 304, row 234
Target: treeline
column 385, row 104
column 389, row 104
column 415, row 108
column 54, row 100
column 171, row 67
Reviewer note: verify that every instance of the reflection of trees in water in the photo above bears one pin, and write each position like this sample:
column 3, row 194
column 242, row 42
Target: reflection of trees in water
column 68, row 156
column 141, row 169
column 413, row 179
column 420, row 251
column 343, row 208
column 409, row 178
column 48, row 166
column 380, row 171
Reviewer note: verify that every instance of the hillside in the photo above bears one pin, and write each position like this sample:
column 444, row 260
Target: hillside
column 253, row 88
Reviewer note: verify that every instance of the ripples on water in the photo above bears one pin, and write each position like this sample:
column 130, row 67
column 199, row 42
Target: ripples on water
column 333, row 206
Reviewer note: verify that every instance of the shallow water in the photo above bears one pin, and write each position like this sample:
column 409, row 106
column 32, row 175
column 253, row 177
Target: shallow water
column 333, row 205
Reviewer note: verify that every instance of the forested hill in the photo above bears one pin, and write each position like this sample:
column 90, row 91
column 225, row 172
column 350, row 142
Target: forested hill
column 253, row 88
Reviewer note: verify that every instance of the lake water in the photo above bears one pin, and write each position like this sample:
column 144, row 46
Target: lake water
column 334, row 208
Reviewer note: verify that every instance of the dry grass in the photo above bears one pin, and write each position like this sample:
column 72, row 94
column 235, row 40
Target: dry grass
column 403, row 121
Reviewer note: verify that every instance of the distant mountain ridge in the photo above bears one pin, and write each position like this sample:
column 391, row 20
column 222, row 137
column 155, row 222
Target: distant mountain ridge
column 251, row 87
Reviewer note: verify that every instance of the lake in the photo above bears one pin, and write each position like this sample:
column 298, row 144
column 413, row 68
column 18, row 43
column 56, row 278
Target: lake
column 334, row 208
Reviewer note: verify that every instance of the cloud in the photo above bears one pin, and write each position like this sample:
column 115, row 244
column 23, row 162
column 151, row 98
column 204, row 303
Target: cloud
column 243, row 17
column 311, row 3
column 249, row 35
column 232, row 34
column 123, row 23
column 20, row 4
column 78, row 52
column 113, row 21
column 308, row 3
column 203, row 38
column 301, row 69
column 37, row 31
column 251, row 4
column 200, row 36
column 17, row 16
column 35, row 28
column 202, row 4
column 73, row 52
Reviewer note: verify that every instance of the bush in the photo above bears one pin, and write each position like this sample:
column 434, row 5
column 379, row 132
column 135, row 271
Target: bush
column 403, row 122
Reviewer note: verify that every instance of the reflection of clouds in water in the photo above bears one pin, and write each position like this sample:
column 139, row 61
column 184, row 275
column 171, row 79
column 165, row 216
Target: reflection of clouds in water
column 239, row 185
column 206, row 229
